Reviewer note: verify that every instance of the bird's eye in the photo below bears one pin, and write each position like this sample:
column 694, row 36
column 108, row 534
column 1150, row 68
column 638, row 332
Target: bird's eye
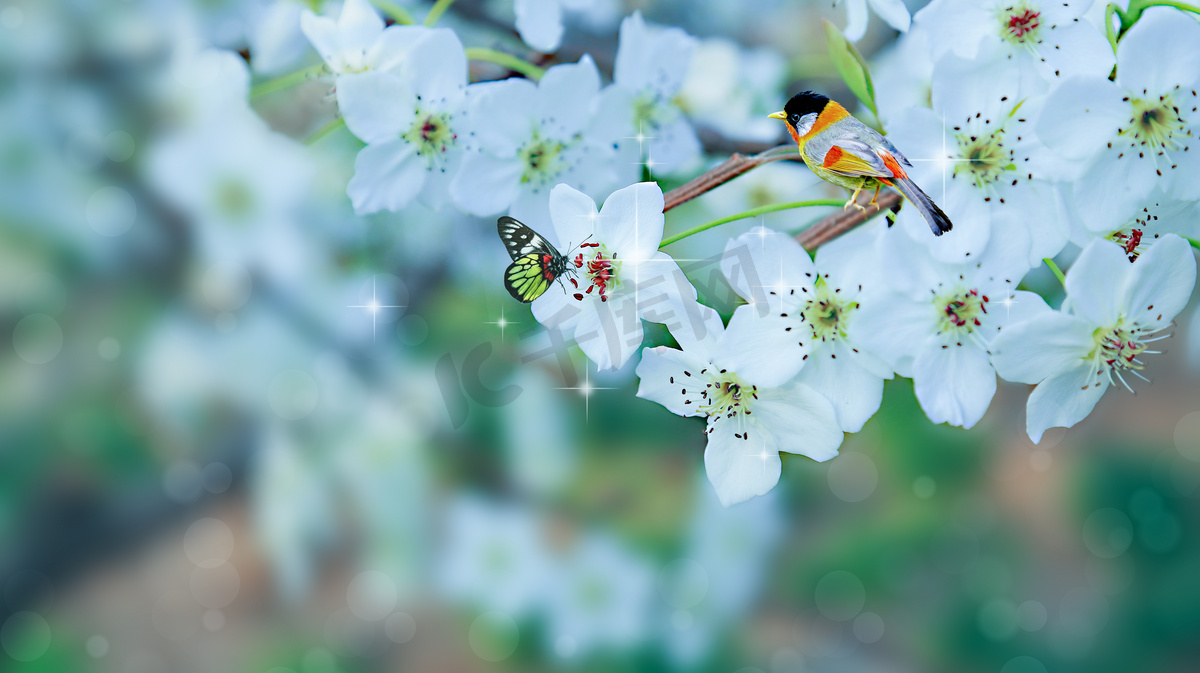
column 795, row 118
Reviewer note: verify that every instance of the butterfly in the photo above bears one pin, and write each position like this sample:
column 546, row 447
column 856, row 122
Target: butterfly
column 536, row 263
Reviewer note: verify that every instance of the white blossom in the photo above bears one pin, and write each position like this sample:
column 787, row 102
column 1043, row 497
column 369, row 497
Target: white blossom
column 806, row 316
column 891, row 11
column 411, row 122
column 1114, row 312
column 638, row 112
column 1132, row 135
column 529, row 138
column 622, row 278
column 730, row 376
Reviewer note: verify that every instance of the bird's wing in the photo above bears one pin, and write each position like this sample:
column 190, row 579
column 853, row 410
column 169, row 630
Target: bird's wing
column 854, row 158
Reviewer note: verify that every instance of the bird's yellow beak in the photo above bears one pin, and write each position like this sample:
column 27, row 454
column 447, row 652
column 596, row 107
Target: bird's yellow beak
column 778, row 115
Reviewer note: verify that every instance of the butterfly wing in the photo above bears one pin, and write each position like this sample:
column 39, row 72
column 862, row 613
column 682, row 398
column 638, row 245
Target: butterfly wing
column 528, row 277
column 520, row 240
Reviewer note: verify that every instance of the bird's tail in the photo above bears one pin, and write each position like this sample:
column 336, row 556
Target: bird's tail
column 937, row 220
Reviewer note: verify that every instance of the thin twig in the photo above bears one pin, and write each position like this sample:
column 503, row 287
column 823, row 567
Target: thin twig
column 829, row 228
column 724, row 172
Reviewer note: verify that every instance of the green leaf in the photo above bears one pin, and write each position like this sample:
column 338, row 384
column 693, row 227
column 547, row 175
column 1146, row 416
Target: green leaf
column 851, row 66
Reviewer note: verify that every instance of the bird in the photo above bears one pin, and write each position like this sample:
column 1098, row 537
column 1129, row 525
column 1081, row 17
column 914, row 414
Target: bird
column 842, row 150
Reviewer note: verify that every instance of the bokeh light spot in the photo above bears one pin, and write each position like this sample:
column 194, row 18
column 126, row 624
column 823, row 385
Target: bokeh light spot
column 1031, row 615
column 37, row 339
column 1107, row 532
column 924, row 487
column 840, row 595
column 118, row 146
column 215, row 586
column 109, row 349
column 293, row 394
column 400, row 627
column 25, row 636
column 868, row 627
column 216, row 477
column 371, row 595
column 182, row 481
column 97, row 646
column 111, row 211
column 1023, row 664
column 208, row 542
column 998, row 619
column 853, row 477
column 493, row 636
column 1187, row 436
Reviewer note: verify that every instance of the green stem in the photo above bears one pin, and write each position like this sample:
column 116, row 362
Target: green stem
column 325, row 130
column 1136, row 7
column 399, row 14
column 1111, row 32
column 753, row 212
column 1194, row 242
column 1057, row 271
column 439, row 8
column 507, row 60
column 287, row 81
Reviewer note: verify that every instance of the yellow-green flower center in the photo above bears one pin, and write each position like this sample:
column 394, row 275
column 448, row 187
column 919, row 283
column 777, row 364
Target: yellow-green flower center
column 827, row 313
column 541, row 160
column 432, row 136
column 234, row 199
column 1020, row 23
column 959, row 311
column 983, row 159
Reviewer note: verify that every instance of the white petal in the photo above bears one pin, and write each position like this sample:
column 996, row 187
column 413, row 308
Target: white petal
column 964, row 88
column 533, row 208
column 386, row 177
column 675, row 147
column 486, row 185
column 377, row 106
column 609, row 333
column 763, row 260
column 740, row 469
column 893, row 12
column 893, row 327
column 574, row 214
column 1161, row 282
column 856, row 20
column 501, row 115
column 359, row 26
column 558, row 311
column 959, row 26
column 662, row 379
column 1160, row 52
column 566, row 95
column 1076, row 48
column 699, row 332
column 1063, row 400
column 1081, row 115
column 277, row 41
column 437, row 67
column 801, row 421
column 322, row 32
column 751, row 351
column 1113, row 186
column 1040, row 347
column 854, row 392
column 539, row 23
column 954, row 383
column 652, row 57
column 1096, row 282
column 393, row 46
column 631, row 220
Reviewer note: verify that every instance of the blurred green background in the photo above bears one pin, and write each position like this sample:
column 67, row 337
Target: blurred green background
column 210, row 463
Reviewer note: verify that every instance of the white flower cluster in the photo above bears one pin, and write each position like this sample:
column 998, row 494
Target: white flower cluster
column 1045, row 134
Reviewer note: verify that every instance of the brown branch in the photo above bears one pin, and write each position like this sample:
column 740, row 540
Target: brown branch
column 720, row 174
column 841, row 222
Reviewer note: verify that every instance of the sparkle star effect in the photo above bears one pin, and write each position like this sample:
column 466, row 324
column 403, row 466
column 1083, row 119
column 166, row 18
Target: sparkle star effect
column 374, row 307
column 501, row 323
column 586, row 389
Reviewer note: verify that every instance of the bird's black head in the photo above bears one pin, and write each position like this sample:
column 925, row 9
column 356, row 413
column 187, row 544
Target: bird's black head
column 802, row 104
